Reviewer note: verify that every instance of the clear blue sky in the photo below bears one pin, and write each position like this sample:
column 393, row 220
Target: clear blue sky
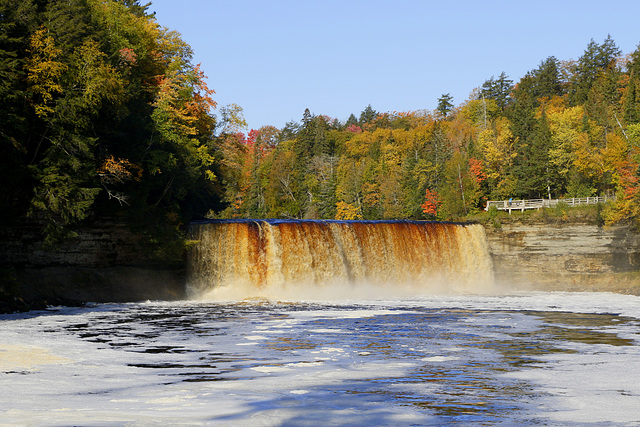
column 277, row 57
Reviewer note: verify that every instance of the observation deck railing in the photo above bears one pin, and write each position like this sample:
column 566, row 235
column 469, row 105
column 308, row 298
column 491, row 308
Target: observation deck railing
column 522, row 204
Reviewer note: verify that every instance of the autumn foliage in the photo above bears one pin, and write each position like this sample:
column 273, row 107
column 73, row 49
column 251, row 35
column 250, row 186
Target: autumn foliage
column 475, row 167
column 114, row 170
column 566, row 129
column 104, row 113
column 431, row 203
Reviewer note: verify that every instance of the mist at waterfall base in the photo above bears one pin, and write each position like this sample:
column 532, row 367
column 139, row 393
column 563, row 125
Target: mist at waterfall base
column 433, row 354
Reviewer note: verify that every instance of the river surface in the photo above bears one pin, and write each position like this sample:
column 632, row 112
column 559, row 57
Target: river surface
column 526, row 359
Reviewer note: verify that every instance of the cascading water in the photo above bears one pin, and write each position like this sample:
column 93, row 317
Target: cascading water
column 325, row 259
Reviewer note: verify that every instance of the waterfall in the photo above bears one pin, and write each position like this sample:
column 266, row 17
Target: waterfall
column 275, row 258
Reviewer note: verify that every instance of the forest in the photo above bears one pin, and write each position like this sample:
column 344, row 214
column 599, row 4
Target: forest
column 104, row 114
column 568, row 128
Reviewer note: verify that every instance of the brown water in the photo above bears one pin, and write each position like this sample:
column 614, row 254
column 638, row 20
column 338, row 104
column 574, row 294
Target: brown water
column 275, row 258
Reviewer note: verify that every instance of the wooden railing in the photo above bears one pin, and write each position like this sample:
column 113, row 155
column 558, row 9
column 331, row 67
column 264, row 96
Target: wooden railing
column 522, row 204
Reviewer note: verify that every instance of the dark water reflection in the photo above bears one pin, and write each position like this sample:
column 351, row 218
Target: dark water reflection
column 454, row 361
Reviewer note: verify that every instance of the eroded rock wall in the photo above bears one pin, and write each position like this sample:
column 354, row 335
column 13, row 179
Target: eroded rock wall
column 568, row 257
column 104, row 263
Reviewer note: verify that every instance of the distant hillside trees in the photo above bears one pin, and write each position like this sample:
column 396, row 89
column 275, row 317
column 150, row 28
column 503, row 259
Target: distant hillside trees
column 565, row 129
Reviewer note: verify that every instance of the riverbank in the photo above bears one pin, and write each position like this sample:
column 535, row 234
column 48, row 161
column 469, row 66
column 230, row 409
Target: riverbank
column 566, row 257
column 103, row 263
column 563, row 249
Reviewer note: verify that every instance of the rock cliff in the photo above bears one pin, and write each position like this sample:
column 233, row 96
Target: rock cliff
column 105, row 263
column 568, row 257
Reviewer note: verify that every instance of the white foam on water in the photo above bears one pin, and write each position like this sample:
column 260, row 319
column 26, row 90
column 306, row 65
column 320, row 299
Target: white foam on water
column 351, row 313
column 255, row 337
column 602, row 387
column 327, row 331
column 26, row 357
column 266, row 369
column 439, row 358
column 340, row 364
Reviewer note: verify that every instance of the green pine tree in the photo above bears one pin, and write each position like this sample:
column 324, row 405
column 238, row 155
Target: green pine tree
column 498, row 89
column 445, row 104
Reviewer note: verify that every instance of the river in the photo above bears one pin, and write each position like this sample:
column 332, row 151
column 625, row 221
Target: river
column 519, row 358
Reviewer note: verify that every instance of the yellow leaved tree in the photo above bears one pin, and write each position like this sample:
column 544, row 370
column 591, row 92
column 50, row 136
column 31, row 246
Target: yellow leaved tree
column 43, row 72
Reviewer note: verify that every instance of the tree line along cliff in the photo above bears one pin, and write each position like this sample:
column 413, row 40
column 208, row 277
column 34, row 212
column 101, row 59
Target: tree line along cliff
column 104, row 114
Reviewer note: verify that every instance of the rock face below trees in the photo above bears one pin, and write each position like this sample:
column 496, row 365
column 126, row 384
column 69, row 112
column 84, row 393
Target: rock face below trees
column 102, row 264
column 575, row 257
column 110, row 264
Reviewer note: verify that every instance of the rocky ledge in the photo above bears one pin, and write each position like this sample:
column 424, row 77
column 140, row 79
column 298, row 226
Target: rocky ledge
column 568, row 257
column 107, row 263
